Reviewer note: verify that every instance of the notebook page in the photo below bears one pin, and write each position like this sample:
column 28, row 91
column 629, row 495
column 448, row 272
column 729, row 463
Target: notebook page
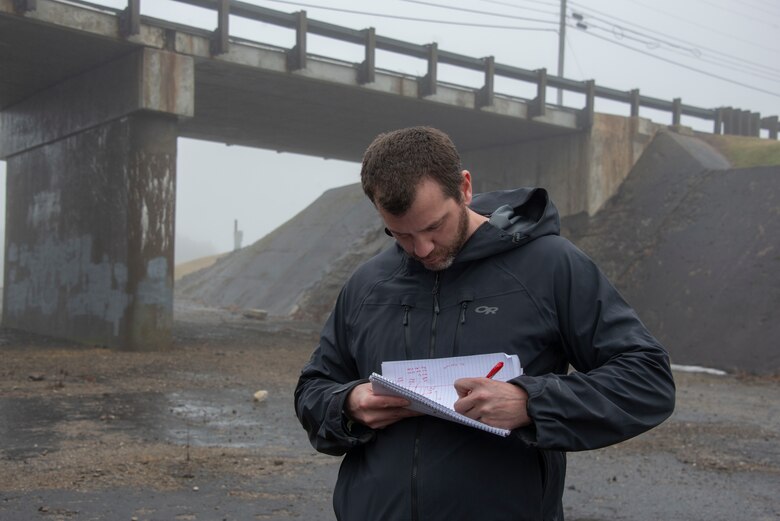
column 434, row 378
column 427, row 406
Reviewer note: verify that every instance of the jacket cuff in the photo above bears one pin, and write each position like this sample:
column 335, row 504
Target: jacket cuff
column 533, row 387
column 353, row 432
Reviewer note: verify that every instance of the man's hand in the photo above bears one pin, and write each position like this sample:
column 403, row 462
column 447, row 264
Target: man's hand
column 496, row 403
column 374, row 410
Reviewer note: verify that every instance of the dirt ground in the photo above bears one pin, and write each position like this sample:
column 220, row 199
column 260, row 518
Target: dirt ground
column 89, row 433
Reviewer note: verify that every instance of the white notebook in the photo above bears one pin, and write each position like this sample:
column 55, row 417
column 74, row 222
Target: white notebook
column 429, row 383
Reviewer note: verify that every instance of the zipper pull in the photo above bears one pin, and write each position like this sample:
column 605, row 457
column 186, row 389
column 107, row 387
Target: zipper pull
column 463, row 307
column 406, row 316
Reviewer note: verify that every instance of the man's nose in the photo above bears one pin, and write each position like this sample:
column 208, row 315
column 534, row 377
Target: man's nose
column 423, row 247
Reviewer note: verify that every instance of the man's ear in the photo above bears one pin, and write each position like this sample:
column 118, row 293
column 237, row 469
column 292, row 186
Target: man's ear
column 465, row 187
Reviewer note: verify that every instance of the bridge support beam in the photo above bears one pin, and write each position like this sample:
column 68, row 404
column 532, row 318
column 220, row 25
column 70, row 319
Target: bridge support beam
column 581, row 170
column 91, row 170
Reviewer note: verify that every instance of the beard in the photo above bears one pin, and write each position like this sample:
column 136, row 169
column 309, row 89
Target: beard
column 442, row 258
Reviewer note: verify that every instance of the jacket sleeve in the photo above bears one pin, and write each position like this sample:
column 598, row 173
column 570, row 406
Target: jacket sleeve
column 622, row 384
column 323, row 386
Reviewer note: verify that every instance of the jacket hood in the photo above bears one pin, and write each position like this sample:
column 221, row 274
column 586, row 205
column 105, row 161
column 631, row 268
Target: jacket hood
column 526, row 213
column 516, row 217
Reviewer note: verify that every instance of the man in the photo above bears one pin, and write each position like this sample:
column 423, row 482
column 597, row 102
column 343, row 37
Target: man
column 473, row 275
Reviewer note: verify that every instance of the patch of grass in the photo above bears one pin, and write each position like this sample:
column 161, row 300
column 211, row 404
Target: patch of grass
column 744, row 152
column 192, row 266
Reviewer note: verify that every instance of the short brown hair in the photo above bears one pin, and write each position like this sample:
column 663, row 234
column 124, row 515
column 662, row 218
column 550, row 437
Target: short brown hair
column 396, row 162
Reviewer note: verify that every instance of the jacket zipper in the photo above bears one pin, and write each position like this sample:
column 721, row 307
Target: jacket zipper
column 407, row 334
column 461, row 321
column 416, row 456
column 415, row 514
column 435, row 315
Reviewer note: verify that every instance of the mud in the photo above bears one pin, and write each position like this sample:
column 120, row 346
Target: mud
column 88, row 433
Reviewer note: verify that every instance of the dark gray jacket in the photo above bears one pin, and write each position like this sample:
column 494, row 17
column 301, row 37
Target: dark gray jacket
column 515, row 287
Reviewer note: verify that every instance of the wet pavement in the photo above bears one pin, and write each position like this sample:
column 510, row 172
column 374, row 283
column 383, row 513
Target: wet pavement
column 213, row 500
column 92, row 434
column 188, row 417
column 187, row 421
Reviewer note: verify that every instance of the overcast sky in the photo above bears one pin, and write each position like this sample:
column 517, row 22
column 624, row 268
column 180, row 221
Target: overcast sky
column 710, row 53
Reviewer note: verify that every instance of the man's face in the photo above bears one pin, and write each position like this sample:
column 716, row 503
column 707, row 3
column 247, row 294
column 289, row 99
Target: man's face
column 433, row 230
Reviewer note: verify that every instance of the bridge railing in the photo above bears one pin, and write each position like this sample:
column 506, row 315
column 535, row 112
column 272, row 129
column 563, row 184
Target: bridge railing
column 725, row 120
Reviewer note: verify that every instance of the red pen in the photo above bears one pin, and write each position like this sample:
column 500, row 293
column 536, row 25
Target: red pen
column 496, row 368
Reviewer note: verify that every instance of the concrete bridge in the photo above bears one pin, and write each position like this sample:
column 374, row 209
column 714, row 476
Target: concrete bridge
column 93, row 99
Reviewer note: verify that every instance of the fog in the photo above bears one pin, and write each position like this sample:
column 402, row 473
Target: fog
column 709, row 53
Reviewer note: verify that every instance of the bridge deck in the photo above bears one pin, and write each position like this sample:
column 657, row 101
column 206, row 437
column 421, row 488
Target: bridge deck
column 249, row 96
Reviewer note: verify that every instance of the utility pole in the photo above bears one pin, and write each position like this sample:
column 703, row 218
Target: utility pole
column 561, row 47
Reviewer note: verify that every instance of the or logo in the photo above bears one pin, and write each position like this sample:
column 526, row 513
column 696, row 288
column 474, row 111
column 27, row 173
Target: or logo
column 486, row 310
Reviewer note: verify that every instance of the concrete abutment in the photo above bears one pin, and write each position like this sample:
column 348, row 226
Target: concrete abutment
column 91, row 176
column 580, row 170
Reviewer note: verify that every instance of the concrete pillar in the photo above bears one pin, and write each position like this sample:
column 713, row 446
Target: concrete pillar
column 581, row 170
column 557, row 164
column 91, row 173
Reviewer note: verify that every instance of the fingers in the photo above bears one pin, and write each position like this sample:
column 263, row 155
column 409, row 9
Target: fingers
column 496, row 403
column 381, row 418
column 469, row 395
column 388, row 417
column 464, row 386
column 373, row 410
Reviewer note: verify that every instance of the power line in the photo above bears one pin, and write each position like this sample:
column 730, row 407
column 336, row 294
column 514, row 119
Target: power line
column 758, row 74
column 649, row 41
column 547, row 3
column 412, row 18
column 766, row 7
column 733, row 64
column 740, row 13
column 574, row 55
column 701, row 26
column 697, row 46
column 693, row 69
column 526, row 8
column 693, row 52
column 475, row 11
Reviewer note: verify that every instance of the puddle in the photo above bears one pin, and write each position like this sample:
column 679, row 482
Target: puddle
column 25, row 426
column 223, row 418
column 230, row 419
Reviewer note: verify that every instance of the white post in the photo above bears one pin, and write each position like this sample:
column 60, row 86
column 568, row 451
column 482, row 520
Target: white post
column 561, row 47
column 238, row 236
